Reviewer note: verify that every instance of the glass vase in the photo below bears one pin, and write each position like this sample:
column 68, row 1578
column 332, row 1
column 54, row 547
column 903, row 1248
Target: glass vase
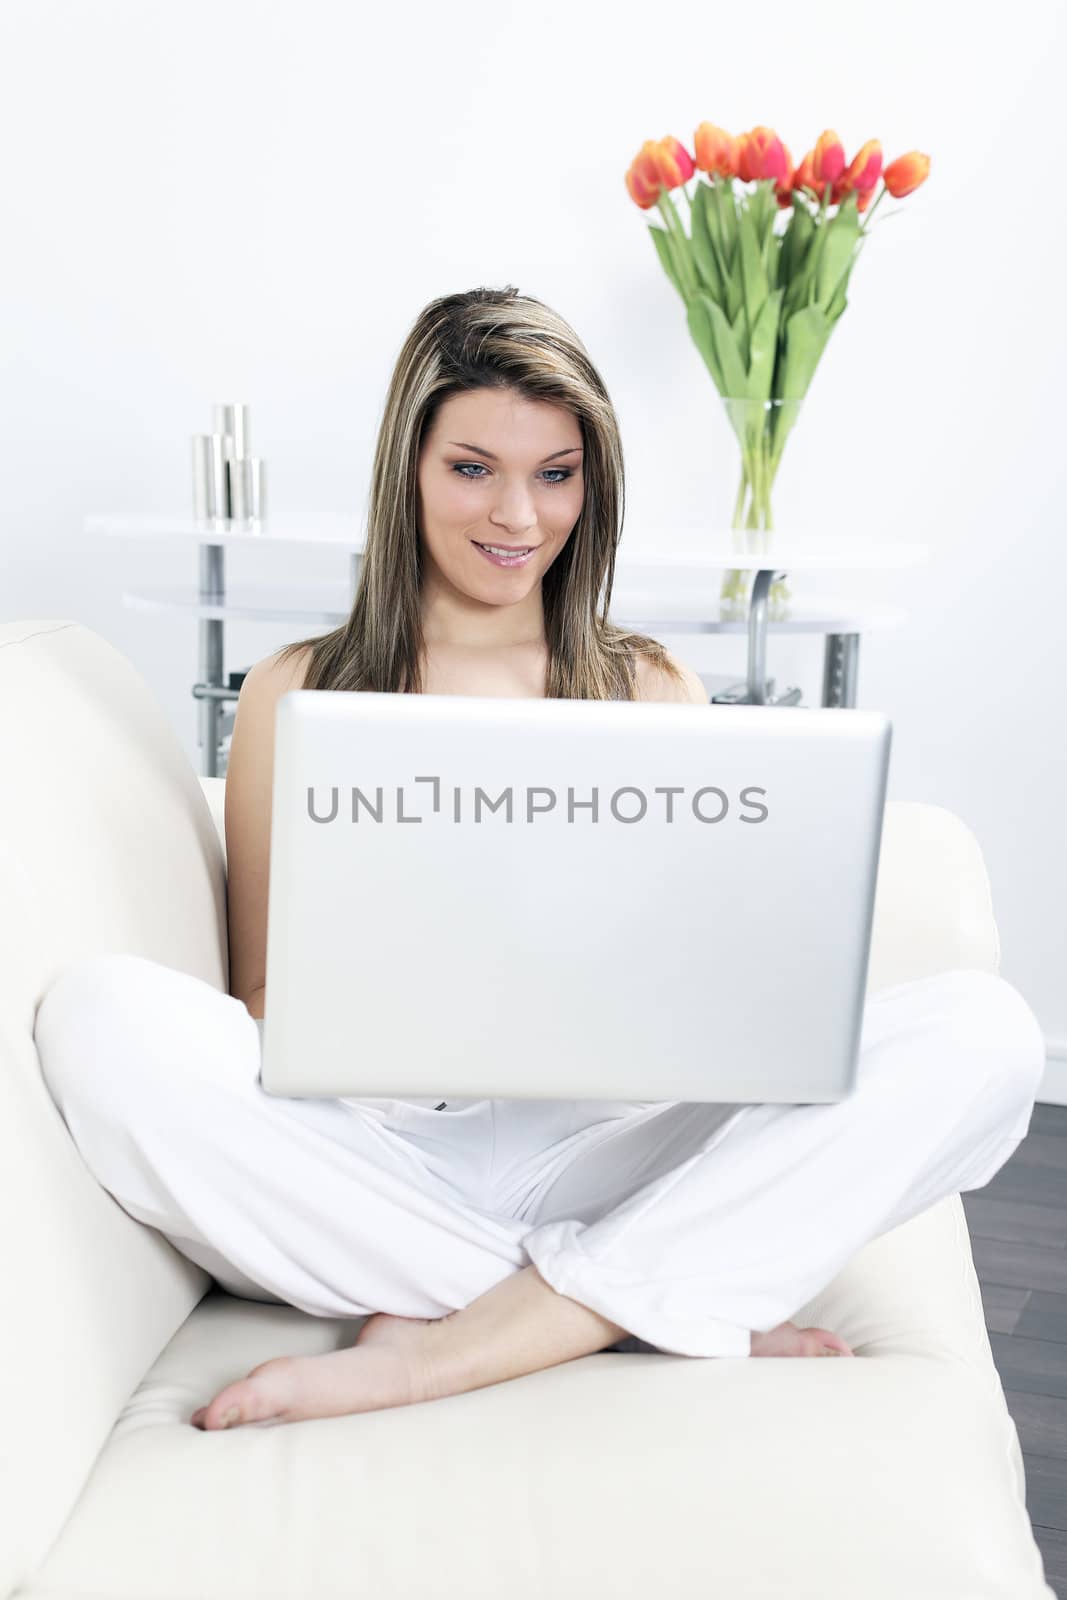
column 762, row 427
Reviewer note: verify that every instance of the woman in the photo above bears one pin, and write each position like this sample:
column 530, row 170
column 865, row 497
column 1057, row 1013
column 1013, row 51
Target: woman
column 485, row 1239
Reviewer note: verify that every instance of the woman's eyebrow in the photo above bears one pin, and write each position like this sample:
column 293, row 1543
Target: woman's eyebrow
column 459, row 443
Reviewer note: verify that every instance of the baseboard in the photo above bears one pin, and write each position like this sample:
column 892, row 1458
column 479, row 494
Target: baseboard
column 1053, row 1089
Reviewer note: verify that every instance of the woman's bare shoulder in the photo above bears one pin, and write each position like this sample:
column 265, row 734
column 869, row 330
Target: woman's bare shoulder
column 275, row 675
column 654, row 683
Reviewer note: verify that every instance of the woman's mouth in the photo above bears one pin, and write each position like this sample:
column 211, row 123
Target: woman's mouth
column 501, row 556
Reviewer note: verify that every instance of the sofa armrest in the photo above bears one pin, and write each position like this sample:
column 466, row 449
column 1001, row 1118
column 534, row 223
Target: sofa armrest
column 215, row 795
column 933, row 910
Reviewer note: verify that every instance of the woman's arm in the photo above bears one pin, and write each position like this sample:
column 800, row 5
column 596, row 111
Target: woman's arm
column 249, row 783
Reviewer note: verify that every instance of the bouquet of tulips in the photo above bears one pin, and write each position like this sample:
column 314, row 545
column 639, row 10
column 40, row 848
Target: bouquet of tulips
column 760, row 303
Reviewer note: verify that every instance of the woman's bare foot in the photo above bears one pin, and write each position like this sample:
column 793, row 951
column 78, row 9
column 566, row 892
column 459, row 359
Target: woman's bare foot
column 789, row 1340
column 295, row 1388
column 520, row 1325
column 382, row 1328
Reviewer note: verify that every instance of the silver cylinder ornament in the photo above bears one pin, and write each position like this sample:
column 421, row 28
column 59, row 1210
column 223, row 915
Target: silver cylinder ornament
column 222, row 418
column 257, row 472
column 218, row 477
column 228, row 483
column 231, row 417
column 201, row 476
column 239, row 477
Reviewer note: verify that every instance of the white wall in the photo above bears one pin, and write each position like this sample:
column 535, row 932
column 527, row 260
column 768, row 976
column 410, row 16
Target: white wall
column 226, row 200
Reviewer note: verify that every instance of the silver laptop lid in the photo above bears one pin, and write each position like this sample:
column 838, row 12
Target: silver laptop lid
column 475, row 896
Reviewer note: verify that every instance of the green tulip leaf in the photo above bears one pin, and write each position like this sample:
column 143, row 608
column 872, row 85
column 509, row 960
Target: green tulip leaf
column 663, row 242
column 700, row 331
column 729, row 356
column 705, row 250
column 796, row 242
column 806, row 333
column 723, row 206
column 739, row 329
column 753, row 273
column 835, row 261
column 764, row 348
column 837, row 301
column 772, row 258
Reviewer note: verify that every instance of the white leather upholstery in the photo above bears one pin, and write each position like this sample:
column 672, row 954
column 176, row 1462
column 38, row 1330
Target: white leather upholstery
column 620, row 1474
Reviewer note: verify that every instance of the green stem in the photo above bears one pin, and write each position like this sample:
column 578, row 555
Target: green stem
column 870, row 213
column 739, row 503
column 681, row 239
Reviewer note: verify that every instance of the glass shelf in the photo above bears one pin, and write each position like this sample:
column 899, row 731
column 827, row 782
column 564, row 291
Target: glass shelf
column 327, row 604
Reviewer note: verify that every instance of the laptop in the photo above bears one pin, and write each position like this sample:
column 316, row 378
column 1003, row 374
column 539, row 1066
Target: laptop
column 569, row 899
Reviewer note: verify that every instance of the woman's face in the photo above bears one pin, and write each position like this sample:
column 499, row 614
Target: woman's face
column 497, row 469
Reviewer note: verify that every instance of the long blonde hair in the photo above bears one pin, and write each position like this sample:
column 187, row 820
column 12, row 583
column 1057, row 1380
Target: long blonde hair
column 488, row 338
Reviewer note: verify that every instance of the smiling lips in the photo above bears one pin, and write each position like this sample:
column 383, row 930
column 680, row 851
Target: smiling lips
column 505, row 555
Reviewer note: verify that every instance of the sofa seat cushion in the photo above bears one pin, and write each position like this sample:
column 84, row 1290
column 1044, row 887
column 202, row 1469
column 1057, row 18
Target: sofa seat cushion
column 897, row 1473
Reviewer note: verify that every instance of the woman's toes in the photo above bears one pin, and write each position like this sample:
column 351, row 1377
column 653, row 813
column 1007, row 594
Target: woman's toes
column 789, row 1340
column 830, row 1344
column 260, row 1397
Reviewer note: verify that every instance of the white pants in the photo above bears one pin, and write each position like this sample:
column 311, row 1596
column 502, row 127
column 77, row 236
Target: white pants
column 687, row 1224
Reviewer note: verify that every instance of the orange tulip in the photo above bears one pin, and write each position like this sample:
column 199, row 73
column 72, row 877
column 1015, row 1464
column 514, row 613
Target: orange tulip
column 660, row 163
column 863, row 172
column 646, row 165
column 765, row 156
column 783, row 187
column 804, row 177
column 828, row 159
column 716, row 150
column 906, row 173
column 675, row 163
column 642, row 193
column 642, row 179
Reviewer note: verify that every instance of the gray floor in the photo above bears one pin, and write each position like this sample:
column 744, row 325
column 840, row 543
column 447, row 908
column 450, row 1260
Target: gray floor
column 1018, row 1226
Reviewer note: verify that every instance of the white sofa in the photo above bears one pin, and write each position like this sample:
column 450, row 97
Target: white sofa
column 622, row 1474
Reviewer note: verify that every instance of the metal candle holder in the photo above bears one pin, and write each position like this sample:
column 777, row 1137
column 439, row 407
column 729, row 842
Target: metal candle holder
column 229, row 485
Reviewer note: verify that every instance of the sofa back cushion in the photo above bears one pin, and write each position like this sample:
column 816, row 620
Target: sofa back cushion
column 106, row 844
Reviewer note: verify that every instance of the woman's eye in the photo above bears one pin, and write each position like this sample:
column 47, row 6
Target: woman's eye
column 554, row 475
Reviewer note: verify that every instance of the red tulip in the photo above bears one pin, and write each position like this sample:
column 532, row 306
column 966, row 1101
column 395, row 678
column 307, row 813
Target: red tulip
column 716, row 150
column 783, row 187
column 906, row 173
column 863, row 172
column 828, row 159
column 675, row 163
column 764, row 156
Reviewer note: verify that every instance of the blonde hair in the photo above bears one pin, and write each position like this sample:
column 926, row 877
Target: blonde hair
column 488, row 338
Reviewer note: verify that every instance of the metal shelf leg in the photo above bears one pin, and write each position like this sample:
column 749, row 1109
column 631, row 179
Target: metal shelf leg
column 210, row 655
column 841, row 660
column 757, row 687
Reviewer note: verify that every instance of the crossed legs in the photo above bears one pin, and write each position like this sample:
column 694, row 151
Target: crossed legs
column 718, row 1239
